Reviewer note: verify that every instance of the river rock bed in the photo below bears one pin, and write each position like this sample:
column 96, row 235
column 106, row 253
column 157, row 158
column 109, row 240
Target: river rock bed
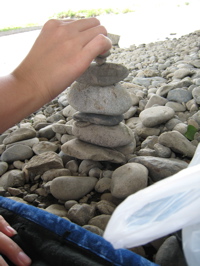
column 84, row 182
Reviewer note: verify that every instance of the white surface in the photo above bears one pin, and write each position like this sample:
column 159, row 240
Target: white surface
column 153, row 20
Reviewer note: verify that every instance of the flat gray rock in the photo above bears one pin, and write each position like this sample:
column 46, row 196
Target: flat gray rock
column 83, row 150
column 100, row 221
column 46, row 132
column 107, row 120
column 179, row 95
column 156, row 115
column 27, row 142
column 160, row 168
column 17, row 152
column 81, row 213
column 57, row 209
column 72, row 187
column 43, row 162
column 128, row 179
column 44, row 146
column 19, row 134
column 106, row 136
column 177, row 143
column 170, row 253
column 3, row 167
column 103, row 75
column 112, row 100
column 12, row 178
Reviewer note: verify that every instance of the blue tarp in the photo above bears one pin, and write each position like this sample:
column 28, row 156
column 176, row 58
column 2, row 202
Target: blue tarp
column 78, row 235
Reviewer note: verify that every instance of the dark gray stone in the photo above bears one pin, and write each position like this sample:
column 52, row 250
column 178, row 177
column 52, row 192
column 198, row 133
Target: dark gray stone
column 107, row 120
column 179, row 95
column 17, row 152
column 160, row 168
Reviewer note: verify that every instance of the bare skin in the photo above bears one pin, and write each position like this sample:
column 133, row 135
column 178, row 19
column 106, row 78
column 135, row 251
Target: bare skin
column 9, row 247
column 60, row 54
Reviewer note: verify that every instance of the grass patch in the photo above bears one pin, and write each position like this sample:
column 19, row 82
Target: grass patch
column 18, row 27
column 86, row 13
column 90, row 13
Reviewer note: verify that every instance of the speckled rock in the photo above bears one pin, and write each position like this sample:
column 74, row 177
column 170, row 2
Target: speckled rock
column 83, row 150
column 104, row 75
column 19, row 134
column 17, row 152
column 157, row 115
column 72, row 187
column 105, row 136
column 112, row 100
column 128, row 179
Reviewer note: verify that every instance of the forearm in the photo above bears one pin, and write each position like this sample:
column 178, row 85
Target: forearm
column 18, row 99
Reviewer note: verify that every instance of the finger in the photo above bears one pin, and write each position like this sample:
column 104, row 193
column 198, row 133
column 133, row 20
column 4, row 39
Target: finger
column 98, row 45
column 6, row 228
column 12, row 251
column 85, row 24
column 2, row 262
column 86, row 36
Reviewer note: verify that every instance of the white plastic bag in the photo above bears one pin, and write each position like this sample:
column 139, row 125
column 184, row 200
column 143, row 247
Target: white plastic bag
column 158, row 210
column 191, row 234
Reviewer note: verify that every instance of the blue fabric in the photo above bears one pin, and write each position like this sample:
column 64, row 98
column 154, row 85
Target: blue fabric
column 78, row 235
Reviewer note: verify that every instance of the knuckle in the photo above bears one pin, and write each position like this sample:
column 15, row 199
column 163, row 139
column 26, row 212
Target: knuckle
column 96, row 21
column 51, row 24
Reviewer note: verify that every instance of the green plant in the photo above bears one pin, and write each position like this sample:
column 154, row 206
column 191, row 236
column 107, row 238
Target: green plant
column 191, row 130
column 90, row 13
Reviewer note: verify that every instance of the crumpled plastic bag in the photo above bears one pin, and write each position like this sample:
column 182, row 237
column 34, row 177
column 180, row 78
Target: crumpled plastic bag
column 158, row 210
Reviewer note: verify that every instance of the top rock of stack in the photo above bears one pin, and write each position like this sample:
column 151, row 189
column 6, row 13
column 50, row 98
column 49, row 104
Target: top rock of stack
column 103, row 75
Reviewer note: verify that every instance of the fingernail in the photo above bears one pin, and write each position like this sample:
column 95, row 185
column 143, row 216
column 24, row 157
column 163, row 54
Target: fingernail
column 11, row 230
column 24, row 259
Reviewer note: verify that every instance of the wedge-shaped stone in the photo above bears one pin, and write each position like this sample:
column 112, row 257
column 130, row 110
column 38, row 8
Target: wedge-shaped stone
column 105, row 136
column 83, row 150
column 103, row 75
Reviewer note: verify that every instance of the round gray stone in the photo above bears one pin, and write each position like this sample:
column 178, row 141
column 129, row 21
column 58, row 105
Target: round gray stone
column 72, row 187
column 155, row 116
column 128, row 179
column 17, row 152
column 112, row 100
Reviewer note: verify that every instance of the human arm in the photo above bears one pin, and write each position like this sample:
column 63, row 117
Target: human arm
column 60, row 54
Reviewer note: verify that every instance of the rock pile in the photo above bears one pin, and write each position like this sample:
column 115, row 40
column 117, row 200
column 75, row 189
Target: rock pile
column 101, row 102
column 51, row 163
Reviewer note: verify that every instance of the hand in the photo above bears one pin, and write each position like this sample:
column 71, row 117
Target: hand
column 9, row 248
column 61, row 53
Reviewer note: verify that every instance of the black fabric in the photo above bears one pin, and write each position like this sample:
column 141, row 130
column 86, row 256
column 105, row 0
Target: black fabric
column 46, row 248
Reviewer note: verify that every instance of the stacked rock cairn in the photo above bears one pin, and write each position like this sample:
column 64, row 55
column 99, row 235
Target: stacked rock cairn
column 101, row 101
